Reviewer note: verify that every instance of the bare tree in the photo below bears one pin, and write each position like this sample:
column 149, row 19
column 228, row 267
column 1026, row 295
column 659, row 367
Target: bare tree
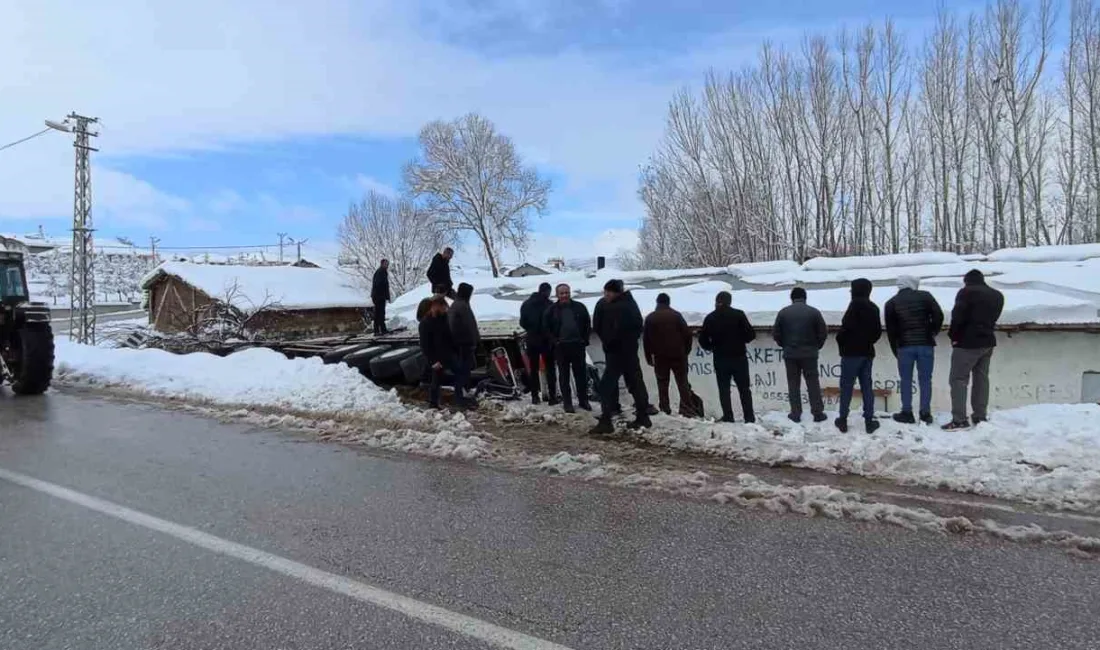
column 471, row 180
column 378, row 228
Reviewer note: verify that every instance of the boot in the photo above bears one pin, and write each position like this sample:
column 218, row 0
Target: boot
column 926, row 418
column 978, row 420
column 794, row 418
column 553, row 401
column 640, row 422
column 872, row 425
column 727, row 418
column 905, row 417
column 603, row 428
column 956, row 426
column 568, row 407
column 535, row 399
column 820, row 417
column 585, row 406
column 842, row 424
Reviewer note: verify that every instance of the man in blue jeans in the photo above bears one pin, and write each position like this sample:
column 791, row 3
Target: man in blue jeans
column 913, row 319
column 860, row 329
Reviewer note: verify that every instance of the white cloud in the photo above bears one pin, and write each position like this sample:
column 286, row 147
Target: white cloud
column 362, row 183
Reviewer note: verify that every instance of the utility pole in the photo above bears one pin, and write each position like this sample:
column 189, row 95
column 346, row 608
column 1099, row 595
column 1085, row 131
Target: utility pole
column 282, row 236
column 82, row 272
column 299, row 244
column 153, row 241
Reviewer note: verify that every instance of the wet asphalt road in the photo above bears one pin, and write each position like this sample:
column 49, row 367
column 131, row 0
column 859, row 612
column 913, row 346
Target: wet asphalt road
column 581, row 565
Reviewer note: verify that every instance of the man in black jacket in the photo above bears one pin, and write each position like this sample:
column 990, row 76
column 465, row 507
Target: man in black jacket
column 439, row 273
column 666, row 343
column 860, row 329
column 618, row 322
column 466, row 336
column 726, row 332
column 568, row 329
column 438, row 347
column 539, row 351
column 977, row 308
column 800, row 330
column 380, row 295
column 913, row 319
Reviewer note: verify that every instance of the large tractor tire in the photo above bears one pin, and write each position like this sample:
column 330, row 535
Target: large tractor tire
column 386, row 367
column 360, row 359
column 33, row 370
column 414, row 368
column 337, row 355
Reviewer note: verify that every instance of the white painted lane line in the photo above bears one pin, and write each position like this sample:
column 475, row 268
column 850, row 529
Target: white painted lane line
column 495, row 635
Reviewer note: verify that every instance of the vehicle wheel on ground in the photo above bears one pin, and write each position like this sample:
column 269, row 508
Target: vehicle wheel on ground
column 30, row 360
column 337, row 355
column 386, row 367
column 360, row 360
column 414, row 367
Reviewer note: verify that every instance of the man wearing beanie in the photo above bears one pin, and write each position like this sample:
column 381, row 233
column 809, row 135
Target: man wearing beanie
column 977, row 308
column 618, row 322
column 860, row 329
column 800, row 330
column 913, row 319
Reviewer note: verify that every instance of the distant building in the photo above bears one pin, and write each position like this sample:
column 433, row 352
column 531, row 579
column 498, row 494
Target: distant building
column 526, row 270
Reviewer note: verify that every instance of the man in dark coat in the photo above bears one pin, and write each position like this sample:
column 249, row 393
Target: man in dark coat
column 438, row 347
column 860, row 329
column 539, row 351
column 913, row 319
column 977, row 308
column 466, row 336
column 726, row 332
column 439, row 273
column 380, row 295
column 800, row 330
column 667, row 342
column 618, row 322
column 568, row 329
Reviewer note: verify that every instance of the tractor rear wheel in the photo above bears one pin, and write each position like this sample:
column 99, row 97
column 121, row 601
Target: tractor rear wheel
column 33, row 370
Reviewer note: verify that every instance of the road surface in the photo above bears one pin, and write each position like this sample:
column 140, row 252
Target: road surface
column 128, row 526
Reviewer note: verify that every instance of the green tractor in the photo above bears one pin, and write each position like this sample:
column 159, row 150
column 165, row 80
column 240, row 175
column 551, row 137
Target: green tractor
column 26, row 340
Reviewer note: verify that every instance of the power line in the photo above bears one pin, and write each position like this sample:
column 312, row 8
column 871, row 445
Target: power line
column 29, row 137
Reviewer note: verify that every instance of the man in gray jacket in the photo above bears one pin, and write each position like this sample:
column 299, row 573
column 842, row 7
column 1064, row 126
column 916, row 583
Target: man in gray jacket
column 465, row 335
column 800, row 330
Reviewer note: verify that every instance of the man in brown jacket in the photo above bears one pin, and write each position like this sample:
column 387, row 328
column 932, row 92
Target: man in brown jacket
column 667, row 343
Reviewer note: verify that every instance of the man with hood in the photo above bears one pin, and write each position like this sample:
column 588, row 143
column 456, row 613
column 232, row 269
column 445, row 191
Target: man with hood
column 913, row 319
column 618, row 322
column 439, row 273
column 800, row 330
column 860, row 329
column 568, row 328
column 380, row 295
column 978, row 306
column 667, row 342
column 539, row 351
column 726, row 332
column 465, row 333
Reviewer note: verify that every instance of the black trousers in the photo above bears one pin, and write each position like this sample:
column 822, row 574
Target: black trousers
column 628, row 367
column 542, row 354
column 379, row 316
column 571, row 363
column 736, row 369
column 797, row 369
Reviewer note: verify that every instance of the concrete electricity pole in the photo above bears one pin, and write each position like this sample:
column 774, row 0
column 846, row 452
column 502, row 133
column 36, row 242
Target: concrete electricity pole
column 299, row 244
column 282, row 236
column 153, row 241
column 82, row 271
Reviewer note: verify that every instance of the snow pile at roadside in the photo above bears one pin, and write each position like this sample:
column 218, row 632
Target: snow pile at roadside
column 878, row 261
column 1047, row 453
column 1072, row 253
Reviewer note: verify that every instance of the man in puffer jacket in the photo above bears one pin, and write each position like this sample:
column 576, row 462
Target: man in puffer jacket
column 618, row 322
column 978, row 306
column 860, row 329
column 913, row 319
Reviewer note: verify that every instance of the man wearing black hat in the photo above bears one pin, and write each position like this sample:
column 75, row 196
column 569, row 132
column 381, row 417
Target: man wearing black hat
column 539, row 351
column 978, row 306
column 618, row 322
column 800, row 330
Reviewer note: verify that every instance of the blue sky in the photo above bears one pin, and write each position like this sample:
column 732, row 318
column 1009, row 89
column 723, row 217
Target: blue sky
column 224, row 123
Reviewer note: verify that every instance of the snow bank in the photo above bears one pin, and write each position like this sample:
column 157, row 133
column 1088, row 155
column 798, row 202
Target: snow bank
column 1072, row 253
column 878, row 261
column 750, row 269
column 251, row 286
column 1047, row 453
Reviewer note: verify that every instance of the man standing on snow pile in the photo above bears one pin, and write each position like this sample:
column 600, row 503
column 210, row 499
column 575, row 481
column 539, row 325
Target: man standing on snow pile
column 913, row 319
column 726, row 332
column 860, row 329
column 439, row 273
column 667, row 342
column 466, row 336
column 438, row 347
column 568, row 328
column 539, row 351
column 800, row 330
column 380, row 295
column 977, row 308
column 618, row 322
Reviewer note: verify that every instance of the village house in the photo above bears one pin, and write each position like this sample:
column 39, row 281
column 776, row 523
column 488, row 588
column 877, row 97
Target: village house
column 275, row 301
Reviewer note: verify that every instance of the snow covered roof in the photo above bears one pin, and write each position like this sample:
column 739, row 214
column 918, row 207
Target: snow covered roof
column 251, row 286
column 1062, row 292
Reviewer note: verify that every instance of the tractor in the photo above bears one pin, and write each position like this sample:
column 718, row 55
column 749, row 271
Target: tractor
column 26, row 340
